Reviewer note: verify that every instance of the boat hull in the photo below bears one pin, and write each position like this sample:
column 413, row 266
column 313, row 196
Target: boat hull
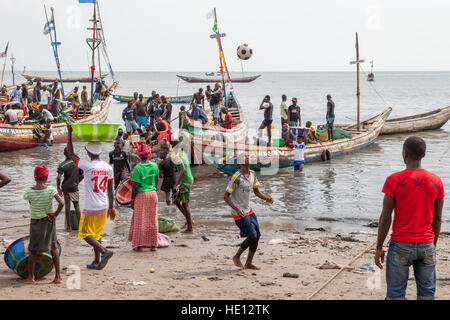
column 427, row 121
column 282, row 157
column 66, row 80
column 21, row 137
column 179, row 99
column 213, row 80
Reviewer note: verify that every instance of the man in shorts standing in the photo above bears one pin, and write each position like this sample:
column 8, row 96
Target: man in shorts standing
column 183, row 188
column 267, row 106
column 330, row 118
column 237, row 196
column 99, row 199
column 69, row 187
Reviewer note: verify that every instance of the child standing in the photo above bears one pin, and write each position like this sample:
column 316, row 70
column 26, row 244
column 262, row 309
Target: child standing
column 167, row 171
column 299, row 153
column 43, row 225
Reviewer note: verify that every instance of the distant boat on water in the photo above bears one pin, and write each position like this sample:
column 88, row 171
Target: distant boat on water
column 212, row 80
column 371, row 76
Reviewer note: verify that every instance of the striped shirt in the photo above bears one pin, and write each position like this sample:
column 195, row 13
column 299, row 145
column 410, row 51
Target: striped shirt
column 41, row 201
column 4, row 99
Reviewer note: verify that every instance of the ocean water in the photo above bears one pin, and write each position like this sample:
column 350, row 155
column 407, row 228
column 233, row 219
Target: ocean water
column 345, row 190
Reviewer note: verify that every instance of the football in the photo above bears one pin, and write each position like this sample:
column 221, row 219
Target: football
column 244, row 52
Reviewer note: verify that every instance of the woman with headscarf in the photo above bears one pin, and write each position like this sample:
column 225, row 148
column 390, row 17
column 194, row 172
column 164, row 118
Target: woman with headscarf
column 144, row 223
column 43, row 225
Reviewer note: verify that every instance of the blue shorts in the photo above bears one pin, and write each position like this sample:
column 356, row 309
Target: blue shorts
column 267, row 123
column 249, row 227
column 141, row 121
column 330, row 122
column 298, row 163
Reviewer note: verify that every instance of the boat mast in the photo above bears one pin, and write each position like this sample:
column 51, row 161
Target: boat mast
column 357, row 62
column 93, row 44
column 12, row 67
column 4, row 63
column 54, row 44
column 103, row 42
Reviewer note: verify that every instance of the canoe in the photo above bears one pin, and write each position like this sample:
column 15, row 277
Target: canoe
column 179, row 99
column 35, row 78
column 201, row 135
column 270, row 158
column 22, row 137
column 421, row 122
column 212, row 80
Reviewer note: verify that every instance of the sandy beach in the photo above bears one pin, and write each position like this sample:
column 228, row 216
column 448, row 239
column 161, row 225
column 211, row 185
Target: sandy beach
column 192, row 268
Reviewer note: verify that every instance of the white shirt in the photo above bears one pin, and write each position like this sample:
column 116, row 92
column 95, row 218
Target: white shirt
column 299, row 152
column 48, row 115
column 97, row 173
column 45, row 97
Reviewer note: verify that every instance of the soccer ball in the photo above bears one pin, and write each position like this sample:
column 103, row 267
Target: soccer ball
column 244, row 52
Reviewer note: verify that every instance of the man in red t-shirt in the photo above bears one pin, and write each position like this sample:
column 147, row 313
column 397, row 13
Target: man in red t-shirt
column 417, row 198
column 228, row 122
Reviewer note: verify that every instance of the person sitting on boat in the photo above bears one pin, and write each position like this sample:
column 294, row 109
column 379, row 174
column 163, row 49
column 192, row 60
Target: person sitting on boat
column 287, row 136
column 129, row 116
column 199, row 98
column 4, row 97
column 227, row 123
column 198, row 114
column 312, row 135
column 10, row 116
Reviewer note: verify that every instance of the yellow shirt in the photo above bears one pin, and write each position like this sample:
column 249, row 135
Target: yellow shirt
column 312, row 133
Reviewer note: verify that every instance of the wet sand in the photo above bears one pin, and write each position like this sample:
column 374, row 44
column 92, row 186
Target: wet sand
column 192, row 268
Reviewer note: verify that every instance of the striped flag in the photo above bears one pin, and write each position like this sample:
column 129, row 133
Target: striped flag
column 4, row 53
column 212, row 14
column 49, row 26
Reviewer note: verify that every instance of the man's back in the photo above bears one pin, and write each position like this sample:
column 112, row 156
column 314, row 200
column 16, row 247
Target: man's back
column 415, row 192
column 97, row 174
column 71, row 175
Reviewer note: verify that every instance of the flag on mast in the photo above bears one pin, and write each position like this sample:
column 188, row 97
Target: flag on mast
column 49, row 26
column 4, row 53
column 212, row 14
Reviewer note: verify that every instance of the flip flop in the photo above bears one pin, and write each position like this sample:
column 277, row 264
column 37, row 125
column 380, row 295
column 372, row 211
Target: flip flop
column 104, row 260
column 91, row 266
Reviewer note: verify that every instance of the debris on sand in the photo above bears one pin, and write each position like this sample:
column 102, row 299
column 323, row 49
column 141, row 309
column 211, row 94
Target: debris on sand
column 315, row 229
column 290, row 275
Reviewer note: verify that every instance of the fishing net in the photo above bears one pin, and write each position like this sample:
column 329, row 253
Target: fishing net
column 338, row 133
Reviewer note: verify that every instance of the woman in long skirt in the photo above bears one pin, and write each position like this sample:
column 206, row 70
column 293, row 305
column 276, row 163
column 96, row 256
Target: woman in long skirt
column 144, row 224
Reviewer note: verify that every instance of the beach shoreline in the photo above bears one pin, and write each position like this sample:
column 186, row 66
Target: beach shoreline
column 192, row 268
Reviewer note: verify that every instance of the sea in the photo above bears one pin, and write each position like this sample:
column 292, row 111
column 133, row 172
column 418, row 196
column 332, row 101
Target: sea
column 344, row 192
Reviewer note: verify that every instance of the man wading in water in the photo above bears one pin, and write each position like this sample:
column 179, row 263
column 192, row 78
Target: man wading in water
column 237, row 197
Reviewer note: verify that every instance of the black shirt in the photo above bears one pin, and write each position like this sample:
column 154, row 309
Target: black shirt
column 330, row 105
column 71, row 176
column 119, row 161
column 168, row 169
column 268, row 111
column 294, row 112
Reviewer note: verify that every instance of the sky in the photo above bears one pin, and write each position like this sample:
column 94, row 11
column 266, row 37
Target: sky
column 285, row 35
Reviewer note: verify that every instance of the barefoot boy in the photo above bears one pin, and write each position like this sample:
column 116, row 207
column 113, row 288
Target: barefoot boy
column 183, row 189
column 299, row 153
column 43, row 225
column 237, row 197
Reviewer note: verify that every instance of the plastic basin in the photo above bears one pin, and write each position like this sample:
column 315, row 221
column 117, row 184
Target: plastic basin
column 100, row 132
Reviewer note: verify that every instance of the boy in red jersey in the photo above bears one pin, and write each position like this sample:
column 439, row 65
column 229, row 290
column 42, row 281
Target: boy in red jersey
column 417, row 198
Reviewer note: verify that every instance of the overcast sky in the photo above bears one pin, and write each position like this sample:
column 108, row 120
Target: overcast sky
column 286, row 35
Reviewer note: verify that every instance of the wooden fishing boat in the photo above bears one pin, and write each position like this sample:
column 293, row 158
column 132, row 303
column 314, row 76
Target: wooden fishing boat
column 420, row 122
column 219, row 80
column 23, row 136
column 371, row 76
column 225, row 157
column 179, row 99
column 35, row 78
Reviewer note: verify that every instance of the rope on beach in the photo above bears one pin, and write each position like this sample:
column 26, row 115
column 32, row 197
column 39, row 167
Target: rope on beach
column 22, row 225
column 342, row 268
column 445, row 152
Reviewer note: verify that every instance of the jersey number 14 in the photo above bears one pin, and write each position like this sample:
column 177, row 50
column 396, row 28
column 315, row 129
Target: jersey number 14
column 103, row 184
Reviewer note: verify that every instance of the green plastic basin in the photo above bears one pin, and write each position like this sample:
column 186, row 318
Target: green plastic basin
column 101, row 132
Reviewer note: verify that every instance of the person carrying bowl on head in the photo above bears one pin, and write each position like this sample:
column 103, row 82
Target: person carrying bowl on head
column 99, row 199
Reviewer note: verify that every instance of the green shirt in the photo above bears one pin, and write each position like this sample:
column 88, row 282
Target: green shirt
column 181, row 157
column 284, row 108
column 41, row 201
column 145, row 174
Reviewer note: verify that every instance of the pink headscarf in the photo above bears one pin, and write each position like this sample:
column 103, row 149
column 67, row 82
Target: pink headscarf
column 144, row 151
column 41, row 172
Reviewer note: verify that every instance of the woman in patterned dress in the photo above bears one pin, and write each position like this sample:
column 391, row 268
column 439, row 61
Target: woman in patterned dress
column 144, row 223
